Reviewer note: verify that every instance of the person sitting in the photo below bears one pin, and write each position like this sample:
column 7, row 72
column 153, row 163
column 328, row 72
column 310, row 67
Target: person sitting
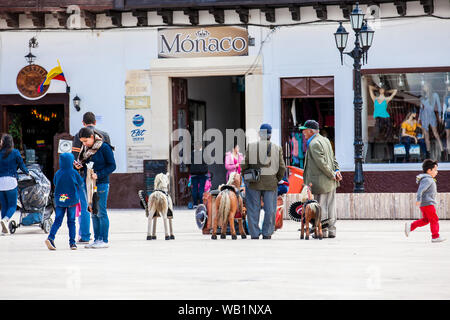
column 409, row 135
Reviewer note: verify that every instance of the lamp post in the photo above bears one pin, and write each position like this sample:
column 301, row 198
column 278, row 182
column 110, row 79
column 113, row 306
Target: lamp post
column 363, row 41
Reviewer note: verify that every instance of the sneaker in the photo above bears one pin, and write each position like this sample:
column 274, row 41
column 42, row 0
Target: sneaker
column 100, row 245
column 89, row 246
column 73, row 247
column 4, row 225
column 267, row 237
column 407, row 229
column 440, row 239
column 81, row 241
column 50, row 244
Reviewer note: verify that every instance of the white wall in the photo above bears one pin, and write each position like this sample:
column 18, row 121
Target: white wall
column 310, row 50
column 95, row 62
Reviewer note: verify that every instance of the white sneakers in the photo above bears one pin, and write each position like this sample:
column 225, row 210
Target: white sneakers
column 98, row 244
column 408, row 231
column 4, row 226
column 407, row 228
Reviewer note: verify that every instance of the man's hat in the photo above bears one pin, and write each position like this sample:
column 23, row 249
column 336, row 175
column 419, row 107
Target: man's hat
column 310, row 124
column 267, row 127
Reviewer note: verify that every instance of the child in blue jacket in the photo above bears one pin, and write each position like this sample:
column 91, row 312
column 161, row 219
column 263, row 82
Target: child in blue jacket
column 68, row 184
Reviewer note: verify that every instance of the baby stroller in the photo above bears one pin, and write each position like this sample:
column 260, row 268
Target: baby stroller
column 34, row 200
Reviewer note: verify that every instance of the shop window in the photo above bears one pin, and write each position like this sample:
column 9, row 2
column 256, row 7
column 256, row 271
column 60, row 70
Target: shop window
column 407, row 117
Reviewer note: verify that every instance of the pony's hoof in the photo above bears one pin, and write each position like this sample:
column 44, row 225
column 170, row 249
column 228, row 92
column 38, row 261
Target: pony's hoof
column 223, row 236
column 172, row 237
column 233, row 237
column 153, row 237
column 167, row 238
column 306, row 238
column 302, row 237
column 214, row 237
column 243, row 236
column 149, row 237
column 320, row 238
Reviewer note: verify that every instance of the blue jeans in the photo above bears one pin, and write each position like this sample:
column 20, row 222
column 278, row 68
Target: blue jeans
column 59, row 216
column 8, row 199
column 253, row 203
column 100, row 221
column 85, row 216
column 408, row 141
column 198, row 187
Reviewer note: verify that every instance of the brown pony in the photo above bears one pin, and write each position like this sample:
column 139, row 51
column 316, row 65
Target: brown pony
column 229, row 206
column 311, row 210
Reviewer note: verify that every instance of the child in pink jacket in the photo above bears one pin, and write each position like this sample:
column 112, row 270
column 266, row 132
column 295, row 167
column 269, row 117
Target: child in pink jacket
column 233, row 160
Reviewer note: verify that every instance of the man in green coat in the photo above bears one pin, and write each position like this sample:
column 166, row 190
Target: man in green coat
column 268, row 157
column 322, row 173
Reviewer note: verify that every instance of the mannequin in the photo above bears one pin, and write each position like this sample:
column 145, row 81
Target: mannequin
column 428, row 102
column 446, row 116
column 380, row 103
column 409, row 136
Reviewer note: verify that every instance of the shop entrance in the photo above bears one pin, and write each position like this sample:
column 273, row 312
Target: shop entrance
column 304, row 99
column 214, row 103
column 34, row 125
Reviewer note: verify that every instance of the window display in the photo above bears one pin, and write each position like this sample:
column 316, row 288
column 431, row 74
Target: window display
column 408, row 117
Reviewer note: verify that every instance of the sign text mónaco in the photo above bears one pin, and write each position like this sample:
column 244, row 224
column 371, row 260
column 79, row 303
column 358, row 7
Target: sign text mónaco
column 203, row 42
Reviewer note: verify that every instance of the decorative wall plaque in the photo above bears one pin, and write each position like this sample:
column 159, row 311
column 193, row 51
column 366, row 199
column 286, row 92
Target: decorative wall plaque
column 29, row 79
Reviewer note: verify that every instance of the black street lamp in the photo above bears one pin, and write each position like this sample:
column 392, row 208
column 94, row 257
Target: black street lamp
column 363, row 41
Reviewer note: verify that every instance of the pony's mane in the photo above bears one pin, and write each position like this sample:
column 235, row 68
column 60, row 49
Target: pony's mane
column 161, row 182
column 304, row 194
column 231, row 178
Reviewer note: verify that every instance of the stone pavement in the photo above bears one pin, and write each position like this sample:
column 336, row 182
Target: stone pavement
column 368, row 260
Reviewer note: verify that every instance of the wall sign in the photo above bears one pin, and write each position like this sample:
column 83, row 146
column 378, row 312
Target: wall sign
column 202, row 42
column 29, row 79
column 138, row 127
column 64, row 146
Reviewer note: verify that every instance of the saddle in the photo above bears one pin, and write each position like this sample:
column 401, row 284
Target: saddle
column 169, row 211
column 237, row 192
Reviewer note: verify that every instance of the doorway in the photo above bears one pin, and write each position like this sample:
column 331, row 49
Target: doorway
column 302, row 99
column 216, row 102
column 34, row 124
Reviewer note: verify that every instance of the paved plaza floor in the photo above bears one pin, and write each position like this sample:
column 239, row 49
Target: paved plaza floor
column 367, row 260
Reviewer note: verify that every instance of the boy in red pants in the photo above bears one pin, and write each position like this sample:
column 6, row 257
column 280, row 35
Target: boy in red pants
column 426, row 199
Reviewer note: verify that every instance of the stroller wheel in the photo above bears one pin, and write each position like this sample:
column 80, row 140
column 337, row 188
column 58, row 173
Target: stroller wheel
column 47, row 225
column 12, row 226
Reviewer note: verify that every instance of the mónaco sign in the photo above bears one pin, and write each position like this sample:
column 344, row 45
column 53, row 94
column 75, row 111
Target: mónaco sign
column 202, row 42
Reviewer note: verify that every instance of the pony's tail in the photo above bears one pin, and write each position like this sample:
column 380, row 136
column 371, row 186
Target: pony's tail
column 318, row 215
column 224, row 207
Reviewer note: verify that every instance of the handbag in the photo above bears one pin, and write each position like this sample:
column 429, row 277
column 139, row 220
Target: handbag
column 254, row 174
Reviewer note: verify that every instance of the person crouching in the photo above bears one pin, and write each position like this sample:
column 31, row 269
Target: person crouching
column 68, row 184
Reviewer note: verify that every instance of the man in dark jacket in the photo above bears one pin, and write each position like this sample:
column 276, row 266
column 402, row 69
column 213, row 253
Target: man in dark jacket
column 198, row 170
column 268, row 157
column 89, row 121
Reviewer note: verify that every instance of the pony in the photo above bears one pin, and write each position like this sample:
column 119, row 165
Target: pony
column 311, row 210
column 229, row 206
column 160, row 205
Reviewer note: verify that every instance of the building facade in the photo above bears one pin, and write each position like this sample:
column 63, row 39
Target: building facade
column 146, row 68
